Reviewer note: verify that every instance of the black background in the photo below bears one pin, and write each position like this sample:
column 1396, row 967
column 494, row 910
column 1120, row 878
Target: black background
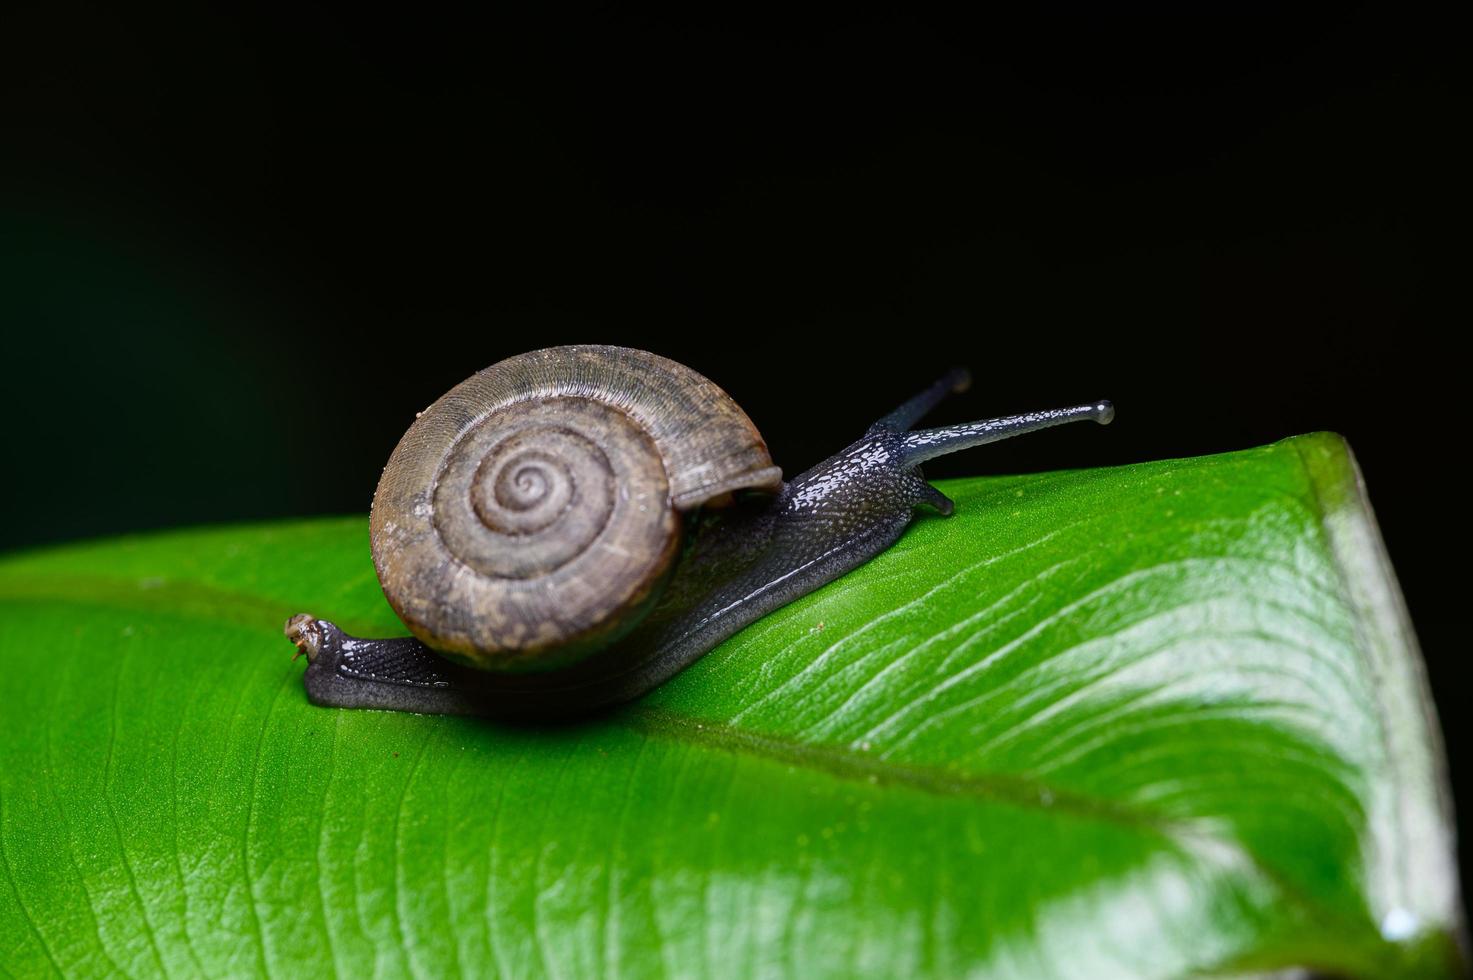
column 238, row 250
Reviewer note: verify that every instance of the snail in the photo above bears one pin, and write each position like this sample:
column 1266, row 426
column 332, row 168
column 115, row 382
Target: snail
column 569, row 528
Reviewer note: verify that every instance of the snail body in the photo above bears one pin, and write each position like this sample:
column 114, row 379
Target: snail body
column 571, row 527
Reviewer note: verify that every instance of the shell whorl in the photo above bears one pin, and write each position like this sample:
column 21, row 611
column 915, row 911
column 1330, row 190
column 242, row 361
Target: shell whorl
column 531, row 514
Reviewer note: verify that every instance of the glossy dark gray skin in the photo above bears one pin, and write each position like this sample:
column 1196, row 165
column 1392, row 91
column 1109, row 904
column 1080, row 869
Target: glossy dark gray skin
column 741, row 563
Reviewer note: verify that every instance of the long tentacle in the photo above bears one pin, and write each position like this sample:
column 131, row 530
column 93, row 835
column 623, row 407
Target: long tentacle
column 924, row 444
column 954, row 381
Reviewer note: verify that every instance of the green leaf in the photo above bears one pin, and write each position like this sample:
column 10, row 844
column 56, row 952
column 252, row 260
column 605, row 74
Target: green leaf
column 1141, row 721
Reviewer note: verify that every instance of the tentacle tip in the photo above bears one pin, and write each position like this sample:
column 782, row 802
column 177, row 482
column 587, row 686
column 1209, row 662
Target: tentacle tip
column 306, row 632
column 961, row 380
column 1104, row 411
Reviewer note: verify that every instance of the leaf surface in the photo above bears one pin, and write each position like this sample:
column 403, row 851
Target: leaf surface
column 1142, row 721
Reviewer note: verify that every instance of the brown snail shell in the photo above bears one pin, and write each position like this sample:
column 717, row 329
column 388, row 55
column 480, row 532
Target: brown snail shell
column 532, row 513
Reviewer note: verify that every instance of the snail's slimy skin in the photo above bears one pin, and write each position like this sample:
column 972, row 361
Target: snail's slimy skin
column 738, row 564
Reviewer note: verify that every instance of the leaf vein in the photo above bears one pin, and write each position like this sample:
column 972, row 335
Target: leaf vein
column 112, row 812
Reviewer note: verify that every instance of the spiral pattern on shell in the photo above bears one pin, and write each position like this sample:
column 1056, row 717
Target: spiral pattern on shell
column 532, row 514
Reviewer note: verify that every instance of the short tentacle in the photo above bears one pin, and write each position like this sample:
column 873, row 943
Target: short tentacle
column 931, row 497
